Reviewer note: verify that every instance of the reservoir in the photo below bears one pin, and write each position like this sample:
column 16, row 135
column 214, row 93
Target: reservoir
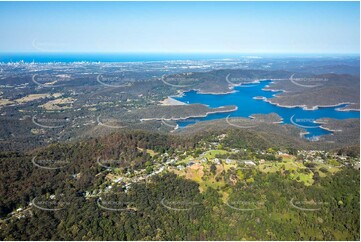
column 243, row 98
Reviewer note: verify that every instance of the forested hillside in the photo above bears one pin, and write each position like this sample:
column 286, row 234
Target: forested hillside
column 55, row 204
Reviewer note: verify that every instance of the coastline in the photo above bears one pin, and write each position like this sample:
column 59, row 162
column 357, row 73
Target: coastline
column 331, row 130
column 215, row 93
column 306, row 108
column 196, row 116
column 325, row 128
column 345, row 109
column 173, row 101
column 230, row 87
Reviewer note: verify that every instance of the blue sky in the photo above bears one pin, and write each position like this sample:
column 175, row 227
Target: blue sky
column 207, row 27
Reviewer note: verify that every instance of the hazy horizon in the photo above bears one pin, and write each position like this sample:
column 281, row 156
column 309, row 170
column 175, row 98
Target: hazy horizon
column 181, row 27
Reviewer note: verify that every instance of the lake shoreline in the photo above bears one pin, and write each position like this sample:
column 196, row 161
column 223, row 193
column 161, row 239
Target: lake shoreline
column 248, row 102
column 303, row 106
column 196, row 116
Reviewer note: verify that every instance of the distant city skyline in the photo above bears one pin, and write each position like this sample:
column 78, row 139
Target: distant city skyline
column 180, row 27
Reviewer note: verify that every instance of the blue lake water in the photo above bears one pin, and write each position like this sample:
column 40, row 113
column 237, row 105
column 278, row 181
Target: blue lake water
column 243, row 98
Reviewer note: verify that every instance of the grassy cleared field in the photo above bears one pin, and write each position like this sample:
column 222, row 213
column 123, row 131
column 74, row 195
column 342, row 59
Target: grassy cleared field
column 201, row 171
column 298, row 171
column 211, row 154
